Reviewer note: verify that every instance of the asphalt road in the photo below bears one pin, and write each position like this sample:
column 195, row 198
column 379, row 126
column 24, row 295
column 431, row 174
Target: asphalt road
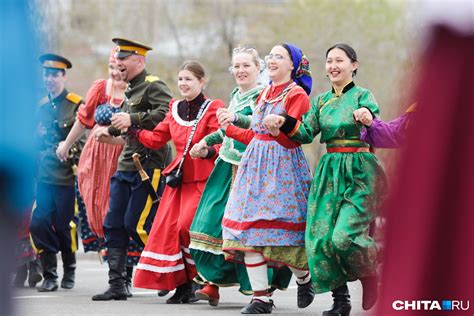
column 91, row 278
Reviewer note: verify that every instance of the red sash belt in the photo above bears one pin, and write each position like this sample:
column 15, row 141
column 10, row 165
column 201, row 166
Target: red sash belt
column 348, row 150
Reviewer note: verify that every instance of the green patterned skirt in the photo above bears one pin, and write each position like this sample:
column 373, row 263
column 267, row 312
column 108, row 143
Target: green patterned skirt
column 206, row 237
column 346, row 195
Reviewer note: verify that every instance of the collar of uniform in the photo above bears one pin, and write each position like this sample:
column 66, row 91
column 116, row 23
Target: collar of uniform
column 60, row 97
column 346, row 88
column 139, row 78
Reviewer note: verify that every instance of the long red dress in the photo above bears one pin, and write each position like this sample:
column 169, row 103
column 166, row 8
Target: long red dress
column 98, row 160
column 166, row 263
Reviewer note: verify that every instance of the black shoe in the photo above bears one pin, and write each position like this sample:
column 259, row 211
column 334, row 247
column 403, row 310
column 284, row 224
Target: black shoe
column 338, row 310
column 111, row 294
column 128, row 281
column 182, row 295
column 67, row 283
column 162, row 293
column 192, row 296
column 342, row 303
column 48, row 285
column 128, row 289
column 117, row 275
column 34, row 273
column 49, row 263
column 305, row 294
column 257, row 306
column 69, row 265
column 20, row 276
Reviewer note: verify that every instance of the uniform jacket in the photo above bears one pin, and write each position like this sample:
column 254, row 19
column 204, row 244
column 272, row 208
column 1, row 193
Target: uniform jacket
column 56, row 118
column 147, row 99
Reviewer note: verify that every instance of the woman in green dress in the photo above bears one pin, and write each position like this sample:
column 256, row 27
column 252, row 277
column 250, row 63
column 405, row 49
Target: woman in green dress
column 348, row 186
column 206, row 229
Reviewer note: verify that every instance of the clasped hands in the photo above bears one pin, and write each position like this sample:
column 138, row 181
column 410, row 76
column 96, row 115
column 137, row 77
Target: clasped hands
column 225, row 118
column 271, row 122
column 199, row 150
column 121, row 121
column 363, row 116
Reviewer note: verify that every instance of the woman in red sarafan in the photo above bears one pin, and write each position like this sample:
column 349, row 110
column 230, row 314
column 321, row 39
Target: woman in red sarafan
column 166, row 263
column 98, row 161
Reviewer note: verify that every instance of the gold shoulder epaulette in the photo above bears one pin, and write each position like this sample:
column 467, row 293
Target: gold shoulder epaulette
column 74, row 98
column 43, row 101
column 411, row 108
column 151, row 78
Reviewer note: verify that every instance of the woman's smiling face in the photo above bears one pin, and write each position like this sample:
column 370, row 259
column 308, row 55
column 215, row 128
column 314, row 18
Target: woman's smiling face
column 339, row 67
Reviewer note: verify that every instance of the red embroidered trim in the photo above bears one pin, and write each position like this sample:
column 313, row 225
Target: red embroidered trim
column 263, row 224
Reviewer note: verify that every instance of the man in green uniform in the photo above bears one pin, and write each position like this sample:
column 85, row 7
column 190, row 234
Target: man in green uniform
column 50, row 223
column 131, row 211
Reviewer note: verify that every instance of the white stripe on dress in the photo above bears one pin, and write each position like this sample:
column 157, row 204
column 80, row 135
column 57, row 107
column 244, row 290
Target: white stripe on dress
column 159, row 256
column 190, row 261
column 148, row 267
column 186, row 250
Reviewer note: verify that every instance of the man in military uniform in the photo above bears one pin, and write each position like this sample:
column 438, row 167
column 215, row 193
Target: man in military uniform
column 131, row 210
column 50, row 223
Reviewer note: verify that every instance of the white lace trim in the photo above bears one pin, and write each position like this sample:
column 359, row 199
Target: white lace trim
column 240, row 101
column 197, row 247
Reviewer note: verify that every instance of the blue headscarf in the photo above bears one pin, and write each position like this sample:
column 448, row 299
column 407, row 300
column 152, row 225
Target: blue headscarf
column 301, row 73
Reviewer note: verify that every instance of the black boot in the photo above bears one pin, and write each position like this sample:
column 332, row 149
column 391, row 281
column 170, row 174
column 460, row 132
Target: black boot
column 162, row 293
column 34, row 273
column 128, row 281
column 49, row 263
column 117, row 275
column 342, row 302
column 257, row 306
column 305, row 294
column 184, row 294
column 69, row 266
column 192, row 295
column 20, row 276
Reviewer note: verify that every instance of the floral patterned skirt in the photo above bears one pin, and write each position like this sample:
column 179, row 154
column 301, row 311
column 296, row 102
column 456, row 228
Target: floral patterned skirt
column 267, row 204
column 347, row 192
column 206, row 237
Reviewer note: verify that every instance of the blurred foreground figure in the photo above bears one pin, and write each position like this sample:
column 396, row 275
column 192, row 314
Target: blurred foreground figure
column 430, row 244
column 17, row 88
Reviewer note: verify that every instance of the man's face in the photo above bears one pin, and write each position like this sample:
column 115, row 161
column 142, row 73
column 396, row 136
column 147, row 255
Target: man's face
column 129, row 66
column 54, row 80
